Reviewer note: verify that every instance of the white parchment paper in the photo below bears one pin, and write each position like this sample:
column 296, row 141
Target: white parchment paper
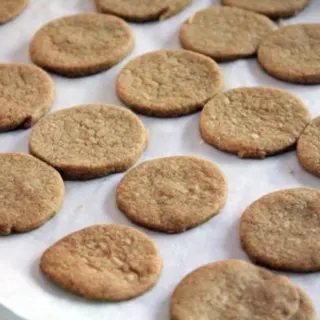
column 24, row 290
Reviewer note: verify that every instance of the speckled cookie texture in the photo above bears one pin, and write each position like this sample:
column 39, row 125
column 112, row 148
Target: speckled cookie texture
column 225, row 33
column 172, row 194
column 104, row 262
column 9, row 9
column 26, row 94
column 89, row 141
column 169, row 83
column 306, row 309
column 292, row 53
column 308, row 147
column 282, row 230
column 231, row 290
column 31, row 192
column 142, row 10
column 81, row 44
column 253, row 122
column 272, row 8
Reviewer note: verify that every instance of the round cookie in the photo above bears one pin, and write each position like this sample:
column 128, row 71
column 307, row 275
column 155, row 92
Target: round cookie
column 31, row 192
column 308, row 148
column 253, row 122
column 172, row 194
column 225, row 33
column 104, row 262
column 292, row 53
column 231, row 290
column 9, row 9
column 272, row 8
column 90, row 141
column 306, row 309
column 142, row 10
column 282, row 230
column 169, row 83
column 81, row 44
column 26, row 94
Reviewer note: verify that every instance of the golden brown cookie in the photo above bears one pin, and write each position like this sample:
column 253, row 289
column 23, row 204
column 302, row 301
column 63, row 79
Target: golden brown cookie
column 253, row 122
column 172, row 194
column 9, row 9
column 231, row 290
column 31, row 192
column 225, row 33
column 308, row 147
column 81, row 44
column 26, row 94
column 282, row 230
column 292, row 53
column 142, row 10
column 104, row 262
column 169, row 83
column 306, row 309
column 90, row 141
column 272, row 8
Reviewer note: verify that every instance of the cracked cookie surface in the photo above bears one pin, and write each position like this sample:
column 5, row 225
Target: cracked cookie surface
column 282, row 230
column 89, row 141
column 142, row 10
column 225, row 33
column 81, row 44
column 292, row 53
column 231, row 290
column 26, row 94
column 172, row 194
column 31, row 192
column 253, row 122
column 104, row 262
column 169, row 83
column 9, row 9
column 272, row 8
column 308, row 147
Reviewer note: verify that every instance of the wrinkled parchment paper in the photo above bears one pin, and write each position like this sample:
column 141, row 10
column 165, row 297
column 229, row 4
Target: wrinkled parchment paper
column 24, row 290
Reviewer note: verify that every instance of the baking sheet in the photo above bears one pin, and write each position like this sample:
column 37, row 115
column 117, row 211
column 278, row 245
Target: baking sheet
column 24, row 290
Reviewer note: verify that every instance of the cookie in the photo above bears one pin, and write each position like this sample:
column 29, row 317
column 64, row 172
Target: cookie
column 172, row 194
column 9, row 9
column 81, row 44
column 169, row 83
column 306, row 309
column 292, row 54
column 231, row 290
column 224, row 33
column 282, row 230
column 142, row 10
column 272, row 8
column 308, row 148
column 31, row 192
column 104, row 262
column 253, row 122
column 89, row 141
column 26, row 94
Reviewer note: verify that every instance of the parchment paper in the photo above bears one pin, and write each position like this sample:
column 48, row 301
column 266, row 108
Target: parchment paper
column 24, row 290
